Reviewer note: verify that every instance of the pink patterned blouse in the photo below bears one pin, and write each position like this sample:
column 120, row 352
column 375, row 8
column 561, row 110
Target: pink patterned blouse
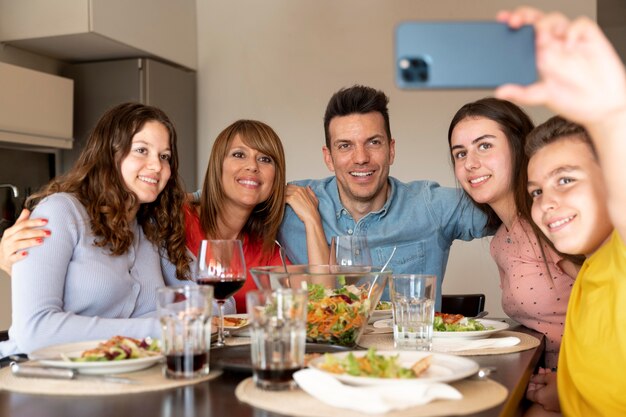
column 530, row 295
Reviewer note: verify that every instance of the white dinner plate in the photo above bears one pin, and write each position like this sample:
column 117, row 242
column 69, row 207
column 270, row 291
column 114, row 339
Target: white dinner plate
column 443, row 368
column 497, row 326
column 51, row 356
column 380, row 315
column 238, row 316
column 383, row 324
column 239, row 330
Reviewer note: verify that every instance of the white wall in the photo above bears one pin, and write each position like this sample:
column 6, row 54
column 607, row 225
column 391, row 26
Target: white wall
column 280, row 60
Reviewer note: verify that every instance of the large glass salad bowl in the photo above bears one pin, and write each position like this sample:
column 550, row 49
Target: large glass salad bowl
column 340, row 298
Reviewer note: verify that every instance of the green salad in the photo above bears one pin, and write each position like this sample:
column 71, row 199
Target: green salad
column 463, row 325
column 120, row 348
column 383, row 305
column 336, row 316
column 371, row 364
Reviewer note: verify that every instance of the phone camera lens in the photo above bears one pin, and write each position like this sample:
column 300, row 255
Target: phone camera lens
column 413, row 70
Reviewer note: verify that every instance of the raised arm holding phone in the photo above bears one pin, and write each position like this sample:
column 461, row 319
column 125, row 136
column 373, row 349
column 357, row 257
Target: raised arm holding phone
column 583, row 79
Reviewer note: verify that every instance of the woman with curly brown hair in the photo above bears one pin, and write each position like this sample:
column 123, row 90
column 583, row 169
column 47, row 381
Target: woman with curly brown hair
column 114, row 218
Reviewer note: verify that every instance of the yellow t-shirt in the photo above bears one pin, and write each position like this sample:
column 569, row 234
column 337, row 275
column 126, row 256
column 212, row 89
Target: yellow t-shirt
column 592, row 363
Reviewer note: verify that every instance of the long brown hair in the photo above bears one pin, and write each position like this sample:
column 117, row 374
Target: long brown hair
column 96, row 181
column 516, row 126
column 264, row 222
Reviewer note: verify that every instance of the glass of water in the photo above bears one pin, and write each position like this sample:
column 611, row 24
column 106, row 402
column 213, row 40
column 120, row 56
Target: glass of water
column 413, row 301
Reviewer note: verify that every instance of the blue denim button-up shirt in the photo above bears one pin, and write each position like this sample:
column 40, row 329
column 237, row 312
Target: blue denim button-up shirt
column 420, row 218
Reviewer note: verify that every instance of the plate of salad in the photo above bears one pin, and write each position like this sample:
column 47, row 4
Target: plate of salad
column 394, row 367
column 117, row 355
column 382, row 311
column 458, row 326
column 336, row 315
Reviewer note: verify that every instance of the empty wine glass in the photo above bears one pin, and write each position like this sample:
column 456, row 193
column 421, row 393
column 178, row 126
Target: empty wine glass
column 221, row 265
column 350, row 251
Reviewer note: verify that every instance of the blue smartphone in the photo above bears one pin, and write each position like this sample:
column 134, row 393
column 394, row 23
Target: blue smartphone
column 431, row 55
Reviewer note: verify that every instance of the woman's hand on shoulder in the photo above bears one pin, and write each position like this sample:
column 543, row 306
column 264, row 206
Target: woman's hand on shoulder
column 25, row 233
column 304, row 203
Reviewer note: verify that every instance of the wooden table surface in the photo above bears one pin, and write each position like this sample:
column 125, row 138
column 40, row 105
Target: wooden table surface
column 216, row 397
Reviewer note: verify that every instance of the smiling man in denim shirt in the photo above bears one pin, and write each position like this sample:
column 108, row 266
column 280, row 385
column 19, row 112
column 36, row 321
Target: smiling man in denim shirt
column 420, row 218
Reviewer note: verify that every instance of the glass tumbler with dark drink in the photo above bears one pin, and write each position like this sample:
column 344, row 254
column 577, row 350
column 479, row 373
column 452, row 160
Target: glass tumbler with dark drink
column 185, row 316
column 278, row 336
column 221, row 265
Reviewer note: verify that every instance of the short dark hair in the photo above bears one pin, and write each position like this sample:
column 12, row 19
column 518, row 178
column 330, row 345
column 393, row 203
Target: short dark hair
column 554, row 129
column 357, row 99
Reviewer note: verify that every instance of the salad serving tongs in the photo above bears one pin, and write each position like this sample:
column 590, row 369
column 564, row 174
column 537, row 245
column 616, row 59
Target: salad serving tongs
column 383, row 269
column 281, row 253
column 27, row 370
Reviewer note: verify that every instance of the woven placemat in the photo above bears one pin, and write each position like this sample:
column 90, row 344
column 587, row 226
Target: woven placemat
column 477, row 396
column 385, row 342
column 150, row 379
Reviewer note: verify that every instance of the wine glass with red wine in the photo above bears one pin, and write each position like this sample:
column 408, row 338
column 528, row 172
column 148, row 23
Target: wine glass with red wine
column 222, row 266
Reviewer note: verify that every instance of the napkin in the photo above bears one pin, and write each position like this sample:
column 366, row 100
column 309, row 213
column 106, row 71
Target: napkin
column 372, row 399
column 458, row 345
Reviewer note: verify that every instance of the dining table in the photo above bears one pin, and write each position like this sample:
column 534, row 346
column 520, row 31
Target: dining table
column 216, row 397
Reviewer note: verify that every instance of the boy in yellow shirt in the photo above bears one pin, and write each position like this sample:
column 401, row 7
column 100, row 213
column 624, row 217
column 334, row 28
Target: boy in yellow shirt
column 576, row 179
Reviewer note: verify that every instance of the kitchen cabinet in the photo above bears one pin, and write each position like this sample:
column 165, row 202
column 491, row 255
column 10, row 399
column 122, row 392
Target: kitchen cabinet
column 93, row 30
column 99, row 86
column 35, row 108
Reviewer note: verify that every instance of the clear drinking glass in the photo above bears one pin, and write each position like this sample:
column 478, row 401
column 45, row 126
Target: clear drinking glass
column 185, row 316
column 221, row 265
column 413, row 306
column 278, row 336
column 350, row 251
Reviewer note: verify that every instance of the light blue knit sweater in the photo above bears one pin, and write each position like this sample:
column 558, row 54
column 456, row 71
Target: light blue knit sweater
column 70, row 290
